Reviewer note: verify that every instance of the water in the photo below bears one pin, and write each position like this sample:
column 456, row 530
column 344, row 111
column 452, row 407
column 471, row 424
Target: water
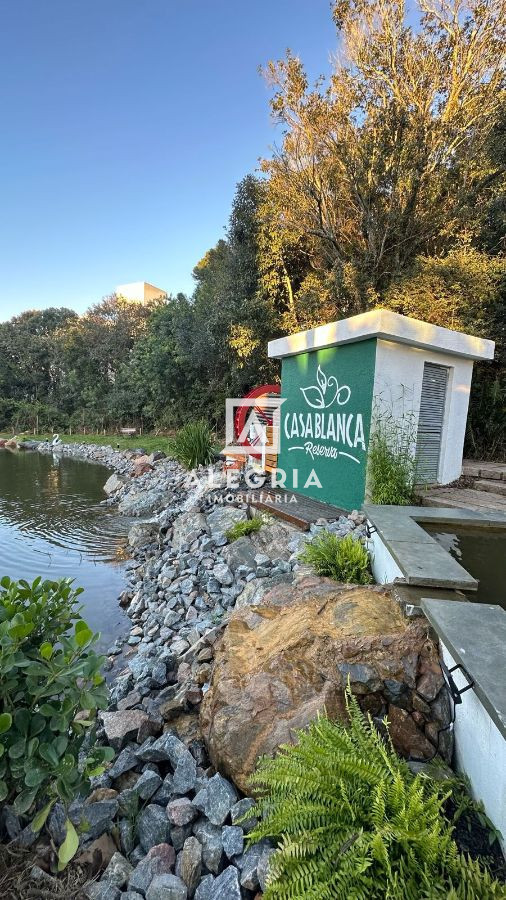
column 51, row 524
column 482, row 552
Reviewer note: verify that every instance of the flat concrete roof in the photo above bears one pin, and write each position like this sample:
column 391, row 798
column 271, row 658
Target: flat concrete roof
column 389, row 326
column 475, row 635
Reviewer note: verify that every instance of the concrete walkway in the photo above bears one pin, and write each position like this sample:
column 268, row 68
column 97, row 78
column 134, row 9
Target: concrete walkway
column 485, row 488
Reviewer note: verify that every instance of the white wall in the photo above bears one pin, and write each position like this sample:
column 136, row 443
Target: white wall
column 480, row 751
column 398, row 386
column 383, row 565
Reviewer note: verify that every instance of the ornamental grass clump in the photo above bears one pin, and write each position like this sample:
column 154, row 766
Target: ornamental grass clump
column 193, row 445
column 391, row 467
column 344, row 559
column 50, row 689
column 239, row 529
column 352, row 823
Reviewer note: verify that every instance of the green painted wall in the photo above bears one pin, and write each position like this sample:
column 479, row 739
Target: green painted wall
column 325, row 421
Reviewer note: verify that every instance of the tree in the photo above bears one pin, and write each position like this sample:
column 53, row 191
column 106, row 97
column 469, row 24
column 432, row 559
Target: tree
column 378, row 165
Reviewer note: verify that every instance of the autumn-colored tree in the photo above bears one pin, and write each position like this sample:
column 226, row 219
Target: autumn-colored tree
column 379, row 163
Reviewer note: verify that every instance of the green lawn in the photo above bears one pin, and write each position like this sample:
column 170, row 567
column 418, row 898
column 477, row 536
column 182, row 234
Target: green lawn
column 148, row 442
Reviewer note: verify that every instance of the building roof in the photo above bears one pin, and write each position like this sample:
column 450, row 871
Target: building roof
column 389, row 326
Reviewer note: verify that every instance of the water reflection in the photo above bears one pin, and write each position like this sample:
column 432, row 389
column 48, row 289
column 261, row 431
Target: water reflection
column 51, row 524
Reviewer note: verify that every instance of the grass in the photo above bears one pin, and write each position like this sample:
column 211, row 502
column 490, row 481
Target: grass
column 148, row 442
column 193, row 445
column 345, row 560
column 249, row 526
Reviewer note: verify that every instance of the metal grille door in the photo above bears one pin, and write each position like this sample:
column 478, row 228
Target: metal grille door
column 430, row 422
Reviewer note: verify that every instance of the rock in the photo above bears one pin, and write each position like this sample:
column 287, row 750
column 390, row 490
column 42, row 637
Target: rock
column 263, row 864
column 181, row 811
column 152, row 827
column 209, row 836
column 128, row 801
column 239, row 811
column 167, row 887
column 223, row 517
column 277, row 665
column 274, row 540
column 406, row 737
column 143, row 533
column 102, row 890
column 98, row 818
column 123, row 763
column 118, row 871
column 226, row 886
column 205, row 887
column 113, row 484
column 240, row 553
column 98, row 854
column 248, row 865
column 147, row 784
column 255, row 590
column 187, row 528
column 217, row 799
column 142, row 503
column 185, row 774
column 191, row 864
column 233, row 840
column 159, row 861
column 122, row 726
column 142, row 465
column 223, row 574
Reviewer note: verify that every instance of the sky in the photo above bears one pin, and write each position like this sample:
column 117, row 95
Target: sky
column 126, row 125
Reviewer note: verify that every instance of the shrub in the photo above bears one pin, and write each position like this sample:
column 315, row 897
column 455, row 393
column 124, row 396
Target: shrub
column 351, row 821
column 391, row 466
column 249, row 526
column 193, row 445
column 50, row 689
column 343, row 559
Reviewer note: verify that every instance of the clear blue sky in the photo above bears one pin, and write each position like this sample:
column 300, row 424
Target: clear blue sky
column 125, row 127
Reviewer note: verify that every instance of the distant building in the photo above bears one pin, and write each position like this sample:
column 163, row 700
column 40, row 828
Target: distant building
column 140, row 291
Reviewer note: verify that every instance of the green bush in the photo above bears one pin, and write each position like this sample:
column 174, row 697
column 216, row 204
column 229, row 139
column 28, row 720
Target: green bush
column 249, row 526
column 50, row 689
column 193, row 445
column 352, row 822
column 391, row 466
column 343, row 559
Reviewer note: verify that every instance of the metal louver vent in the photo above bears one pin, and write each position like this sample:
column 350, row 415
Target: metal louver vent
column 430, row 422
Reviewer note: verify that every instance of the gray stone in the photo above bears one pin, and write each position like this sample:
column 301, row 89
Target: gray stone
column 122, row 725
column 152, row 827
column 159, row 861
column 187, row 528
column 226, row 886
column 185, row 774
column 128, row 802
column 56, row 823
column 248, row 865
column 363, row 678
column 118, row 871
column 181, row 811
column 263, row 865
column 240, row 553
column 223, row 517
column 223, row 574
column 102, row 890
column 212, row 844
column 131, row 895
column 205, row 887
column 167, row 887
column 142, row 503
column 113, row 484
column 233, row 840
column 165, row 792
column 123, row 763
column 126, row 836
column 239, row 810
column 219, row 797
column 147, row 784
column 143, row 533
column 98, row 817
column 190, row 864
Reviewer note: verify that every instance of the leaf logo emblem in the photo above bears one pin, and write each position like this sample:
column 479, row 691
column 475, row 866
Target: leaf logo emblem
column 326, row 392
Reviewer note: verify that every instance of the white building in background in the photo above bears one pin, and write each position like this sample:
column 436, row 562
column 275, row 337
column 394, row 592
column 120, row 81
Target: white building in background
column 140, row 291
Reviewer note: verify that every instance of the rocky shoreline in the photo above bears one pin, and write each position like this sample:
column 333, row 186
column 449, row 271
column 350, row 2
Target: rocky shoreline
column 167, row 821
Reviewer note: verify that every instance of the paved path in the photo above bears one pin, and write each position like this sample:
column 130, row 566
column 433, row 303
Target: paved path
column 485, row 488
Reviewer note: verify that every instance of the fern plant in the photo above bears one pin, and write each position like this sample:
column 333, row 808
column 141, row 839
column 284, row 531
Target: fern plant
column 343, row 559
column 352, row 822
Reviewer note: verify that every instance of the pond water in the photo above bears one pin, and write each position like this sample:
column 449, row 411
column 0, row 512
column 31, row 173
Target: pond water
column 51, row 524
column 482, row 552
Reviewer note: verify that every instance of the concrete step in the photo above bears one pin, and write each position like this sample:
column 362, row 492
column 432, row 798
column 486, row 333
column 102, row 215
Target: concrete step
column 489, row 484
column 466, row 498
column 494, row 471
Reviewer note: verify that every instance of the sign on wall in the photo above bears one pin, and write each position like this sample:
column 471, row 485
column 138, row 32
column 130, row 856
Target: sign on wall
column 325, row 421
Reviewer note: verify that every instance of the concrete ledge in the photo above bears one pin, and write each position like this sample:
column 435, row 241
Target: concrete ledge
column 382, row 323
column 475, row 635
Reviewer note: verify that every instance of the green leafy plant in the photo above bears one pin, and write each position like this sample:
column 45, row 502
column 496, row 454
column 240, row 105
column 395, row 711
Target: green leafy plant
column 50, row 688
column 343, row 559
column 352, row 823
column 391, row 467
column 193, row 445
column 249, row 526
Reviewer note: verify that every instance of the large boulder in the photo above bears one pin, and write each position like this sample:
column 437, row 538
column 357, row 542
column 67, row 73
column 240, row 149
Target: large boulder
column 143, row 503
column 187, row 528
column 113, row 484
column 274, row 539
column 280, row 663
